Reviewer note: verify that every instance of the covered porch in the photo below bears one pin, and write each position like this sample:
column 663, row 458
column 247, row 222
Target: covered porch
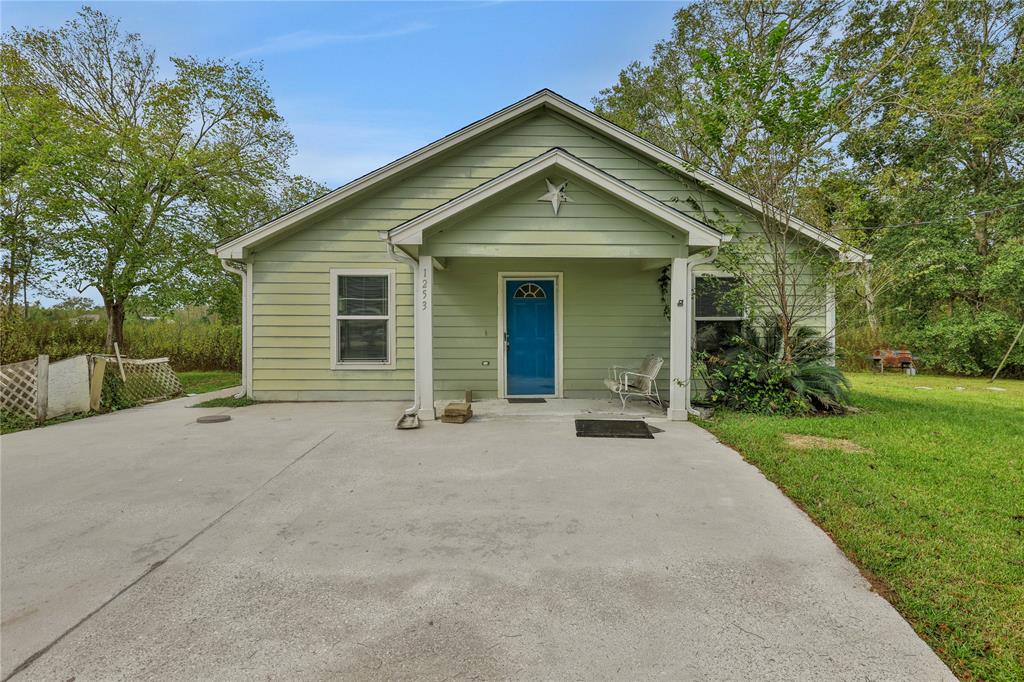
column 537, row 282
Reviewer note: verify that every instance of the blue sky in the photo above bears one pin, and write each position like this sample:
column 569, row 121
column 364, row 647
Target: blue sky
column 361, row 84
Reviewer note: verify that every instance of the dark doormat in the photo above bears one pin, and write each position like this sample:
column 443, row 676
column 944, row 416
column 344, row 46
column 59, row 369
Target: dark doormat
column 526, row 400
column 612, row 428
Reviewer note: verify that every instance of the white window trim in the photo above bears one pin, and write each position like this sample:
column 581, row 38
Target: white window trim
column 392, row 326
column 718, row 274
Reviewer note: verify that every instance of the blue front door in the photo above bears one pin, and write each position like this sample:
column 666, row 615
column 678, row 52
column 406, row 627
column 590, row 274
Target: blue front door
column 530, row 337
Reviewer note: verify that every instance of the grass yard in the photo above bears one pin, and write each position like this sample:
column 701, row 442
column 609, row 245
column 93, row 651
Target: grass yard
column 204, row 382
column 931, row 503
column 227, row 401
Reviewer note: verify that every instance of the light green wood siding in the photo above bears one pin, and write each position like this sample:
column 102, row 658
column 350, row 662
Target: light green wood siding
column 612, row 315
column 291, row 285
column 592, row 225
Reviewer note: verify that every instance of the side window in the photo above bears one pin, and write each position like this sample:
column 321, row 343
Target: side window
column 362, row 335
column 717, row 317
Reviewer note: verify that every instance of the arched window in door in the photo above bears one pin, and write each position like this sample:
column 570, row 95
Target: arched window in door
column 529, row 290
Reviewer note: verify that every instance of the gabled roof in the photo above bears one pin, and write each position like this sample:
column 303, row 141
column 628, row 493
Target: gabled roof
column 700, row 233
column 233, row 248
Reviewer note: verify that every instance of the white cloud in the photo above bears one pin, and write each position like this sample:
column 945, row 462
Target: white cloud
column 306, row 40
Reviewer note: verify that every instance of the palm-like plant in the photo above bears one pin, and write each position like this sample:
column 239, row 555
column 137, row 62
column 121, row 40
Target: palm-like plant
column 759, row 357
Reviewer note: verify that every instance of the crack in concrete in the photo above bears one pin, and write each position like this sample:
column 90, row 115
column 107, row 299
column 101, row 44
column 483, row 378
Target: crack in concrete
column 157, row 564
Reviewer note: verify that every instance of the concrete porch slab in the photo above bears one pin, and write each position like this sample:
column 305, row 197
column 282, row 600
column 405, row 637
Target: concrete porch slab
column 560, row 408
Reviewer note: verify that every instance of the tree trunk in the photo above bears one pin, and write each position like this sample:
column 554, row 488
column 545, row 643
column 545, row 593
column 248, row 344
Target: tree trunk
column 869, row 304
column 115, row 324
column 12, row 284
column 980, row 235
column 24, row 281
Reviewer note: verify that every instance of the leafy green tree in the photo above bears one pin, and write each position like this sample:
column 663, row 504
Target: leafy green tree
column 708, row 90
column 221, row 291
column 940, row 160
column 753, row 92
column 27, row 120
column 147, row 166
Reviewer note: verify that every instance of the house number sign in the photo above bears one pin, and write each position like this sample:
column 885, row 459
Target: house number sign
column 423, row 291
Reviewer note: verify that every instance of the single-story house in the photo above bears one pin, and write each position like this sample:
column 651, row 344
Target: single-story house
column 518, row 256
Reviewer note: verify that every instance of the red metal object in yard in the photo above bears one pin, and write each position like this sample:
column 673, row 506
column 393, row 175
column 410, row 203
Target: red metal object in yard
column 889, row 358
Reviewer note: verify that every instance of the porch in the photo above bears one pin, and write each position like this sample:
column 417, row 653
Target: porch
column 606, row 313
column 586, row 251
column 560, row 409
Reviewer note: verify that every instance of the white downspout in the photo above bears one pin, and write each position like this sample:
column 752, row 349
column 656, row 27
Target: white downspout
column 239, row 268
column 411, row 413
column 691, row 263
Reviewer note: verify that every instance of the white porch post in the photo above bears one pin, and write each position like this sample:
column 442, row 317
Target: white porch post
column 679, row 341
column 424, row 336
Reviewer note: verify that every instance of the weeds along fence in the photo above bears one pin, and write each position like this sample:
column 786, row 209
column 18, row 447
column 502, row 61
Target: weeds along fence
column 37, row 390
column 131, row 382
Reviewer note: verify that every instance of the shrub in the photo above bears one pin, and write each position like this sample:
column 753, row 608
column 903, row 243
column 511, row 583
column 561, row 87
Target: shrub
column 189, row 345
column 753, row 377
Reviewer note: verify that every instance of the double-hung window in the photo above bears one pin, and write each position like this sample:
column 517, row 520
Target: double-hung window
column 363, row 319
column 717, row 314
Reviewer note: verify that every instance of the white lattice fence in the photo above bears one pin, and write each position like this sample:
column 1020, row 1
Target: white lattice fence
column 19, row 388
column 144, row 380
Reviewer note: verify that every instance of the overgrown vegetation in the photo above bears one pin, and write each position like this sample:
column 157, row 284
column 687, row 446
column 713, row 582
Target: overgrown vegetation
column 191, row 339
column 753, row 375
column 113, row 397
column 11, row 423
column 895, row 125
column 15, row 421
column 932, row 506
column 118, row 178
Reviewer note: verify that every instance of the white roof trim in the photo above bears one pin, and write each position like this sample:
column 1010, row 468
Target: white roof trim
column 700, row 234
column 233, row 248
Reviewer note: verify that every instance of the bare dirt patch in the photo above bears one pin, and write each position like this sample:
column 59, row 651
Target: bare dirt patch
column 819, row 443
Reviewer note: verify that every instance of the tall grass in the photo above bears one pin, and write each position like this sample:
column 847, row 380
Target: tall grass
column 189, row 343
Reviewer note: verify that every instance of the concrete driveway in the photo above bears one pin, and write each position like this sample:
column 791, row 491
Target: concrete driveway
column 313, row 541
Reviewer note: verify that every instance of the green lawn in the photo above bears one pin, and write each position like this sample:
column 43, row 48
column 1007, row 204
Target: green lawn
column 227, row 401
column 204, row 382
column 934, row 506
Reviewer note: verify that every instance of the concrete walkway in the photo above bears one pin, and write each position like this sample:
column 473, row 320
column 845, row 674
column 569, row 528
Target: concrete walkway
column 314, row 541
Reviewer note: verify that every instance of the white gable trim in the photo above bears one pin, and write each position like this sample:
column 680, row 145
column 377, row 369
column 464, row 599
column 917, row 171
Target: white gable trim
column 234, row 248
column 411, row 232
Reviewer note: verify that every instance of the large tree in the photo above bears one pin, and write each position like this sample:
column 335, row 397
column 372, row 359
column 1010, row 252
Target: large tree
column 208, row 283
column 754, row 93
column 940, row 177
column 148, row 166
column 27, row 120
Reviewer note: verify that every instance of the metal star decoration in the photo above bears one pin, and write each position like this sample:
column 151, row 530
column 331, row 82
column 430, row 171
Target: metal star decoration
column 556, row 195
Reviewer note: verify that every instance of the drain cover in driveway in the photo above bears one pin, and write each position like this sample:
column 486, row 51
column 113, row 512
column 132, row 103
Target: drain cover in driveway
column 213, row 419
column 612, row 428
